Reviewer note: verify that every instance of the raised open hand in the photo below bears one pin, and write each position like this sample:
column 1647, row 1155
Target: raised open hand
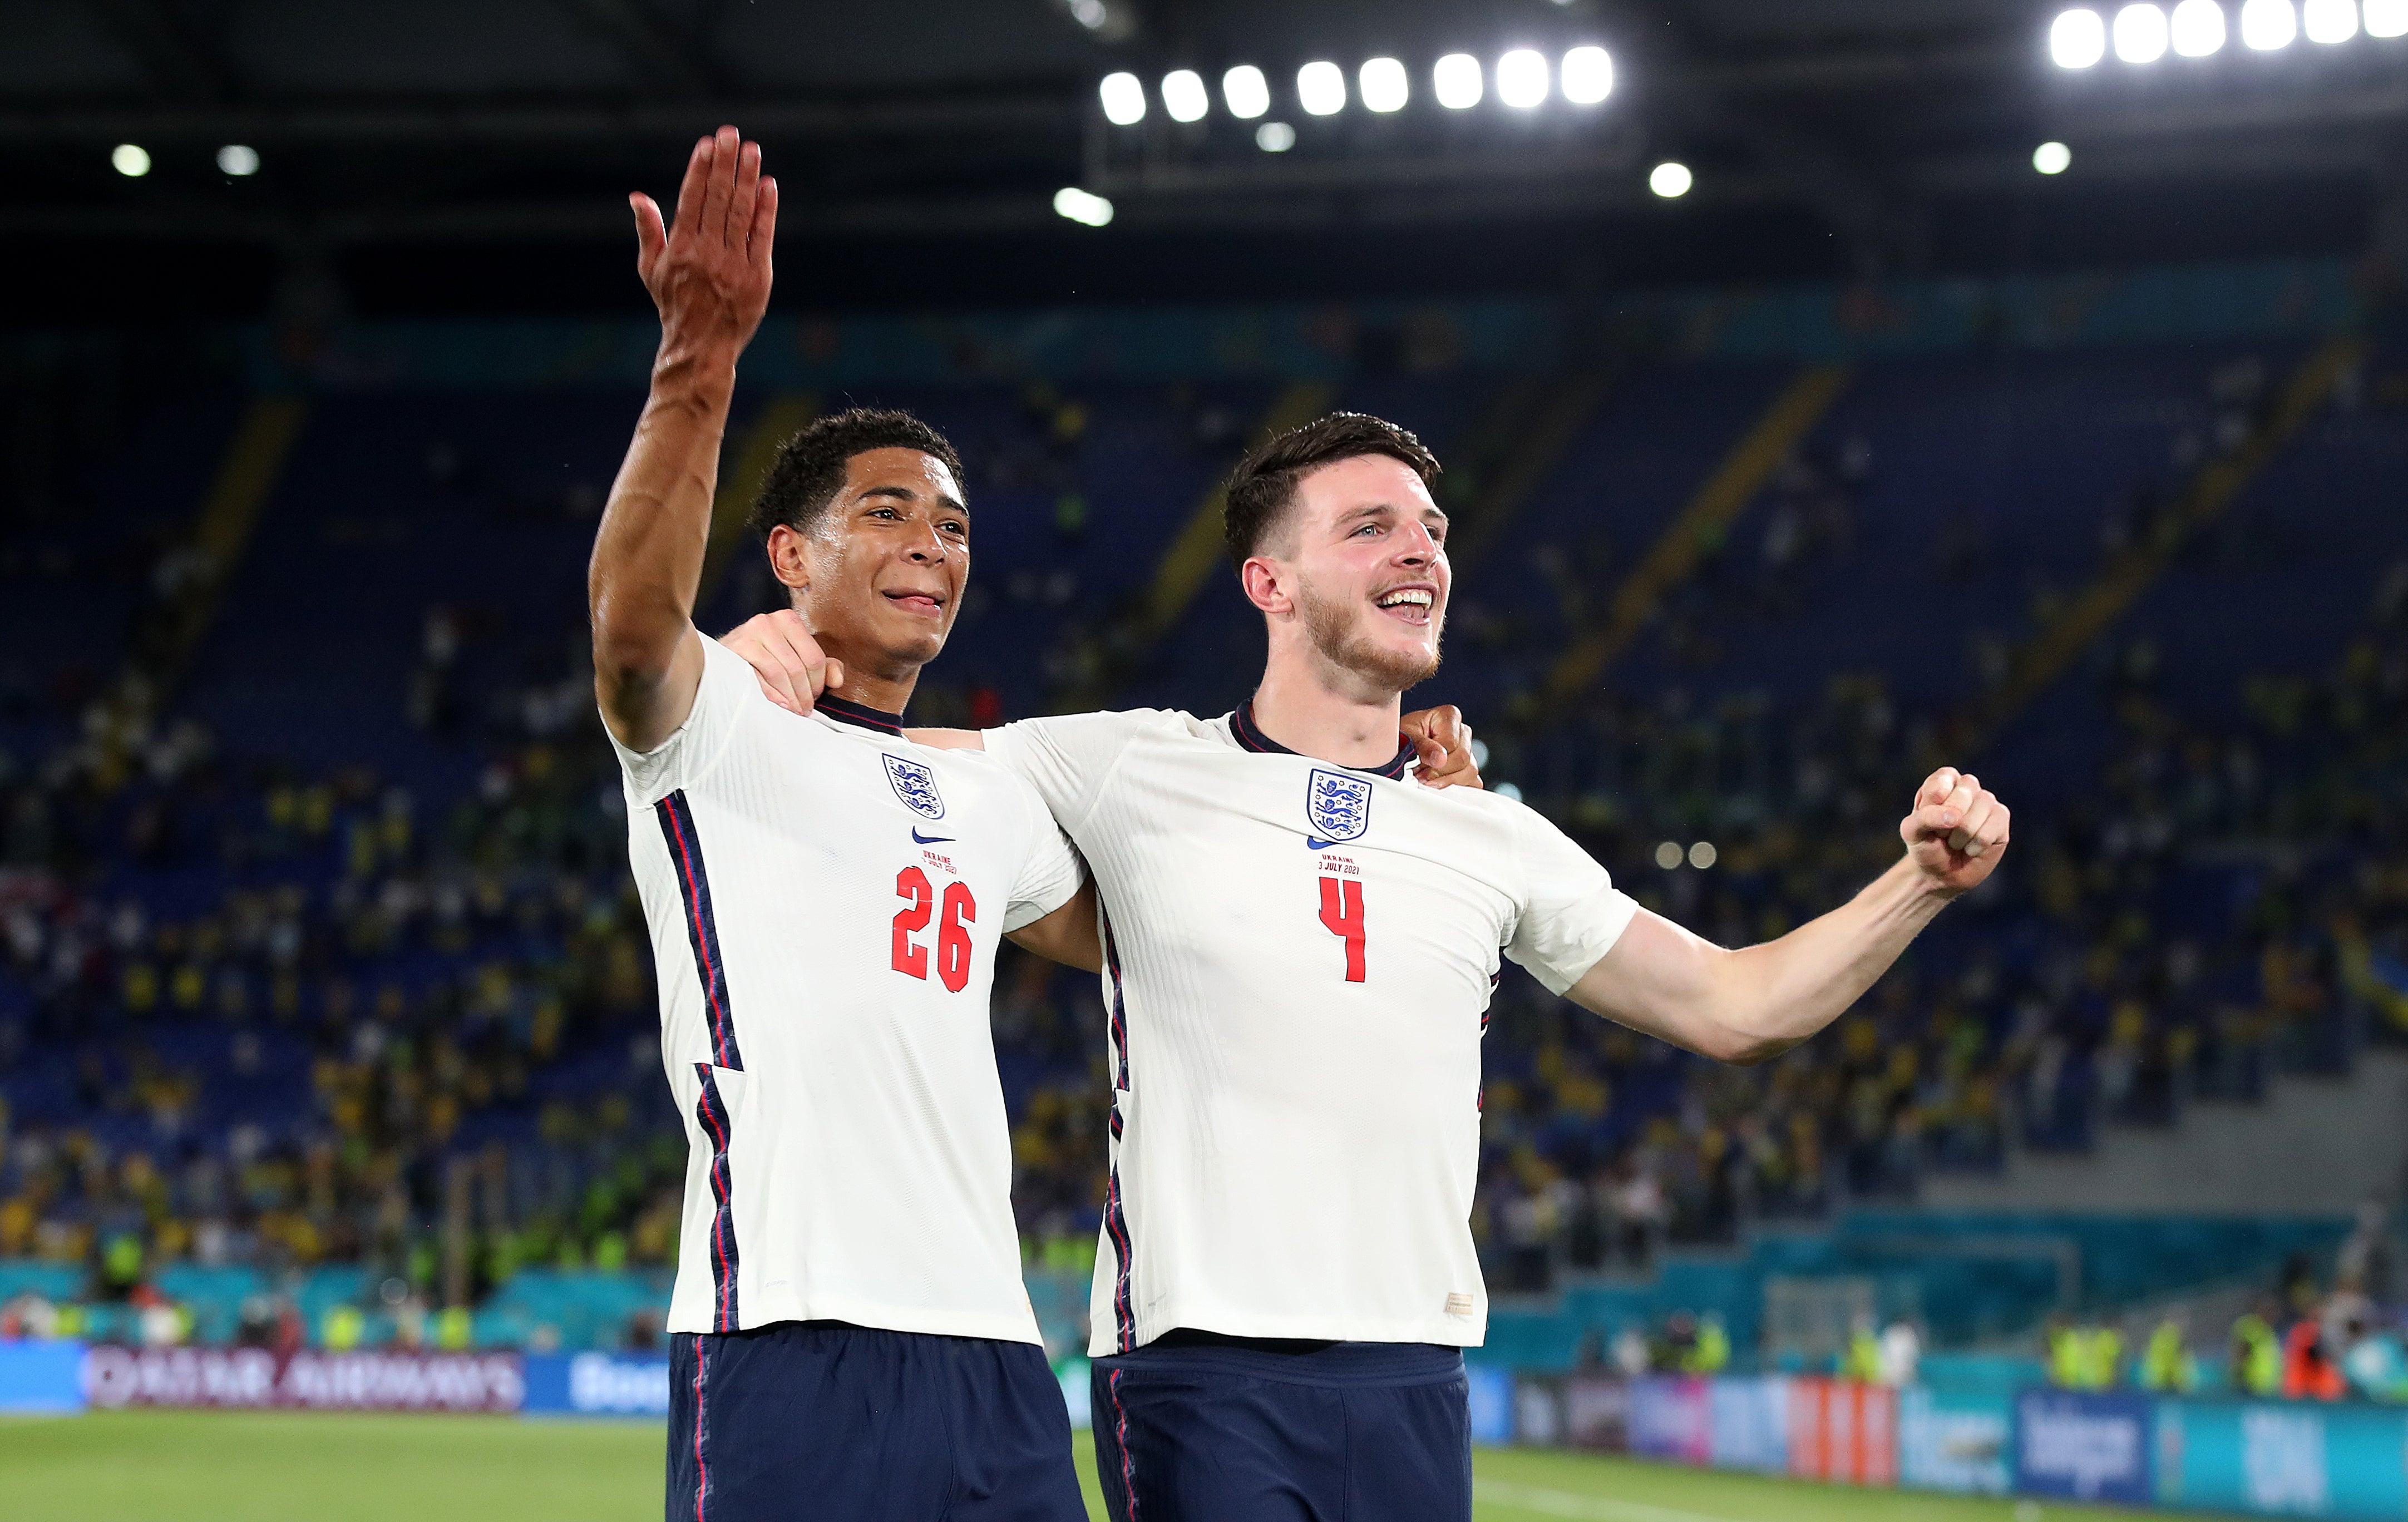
column 708, row 271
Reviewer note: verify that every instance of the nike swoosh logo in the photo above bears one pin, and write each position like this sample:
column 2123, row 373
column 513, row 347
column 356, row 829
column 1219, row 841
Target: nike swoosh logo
column 930, row 840
column 1311, row 844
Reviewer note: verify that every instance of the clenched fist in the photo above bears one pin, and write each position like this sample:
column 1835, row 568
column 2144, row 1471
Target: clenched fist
column 1956, row 833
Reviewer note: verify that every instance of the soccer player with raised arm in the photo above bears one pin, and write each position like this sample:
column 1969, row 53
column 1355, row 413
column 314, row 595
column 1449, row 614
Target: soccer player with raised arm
column 1300, row 951
column 851, row 1334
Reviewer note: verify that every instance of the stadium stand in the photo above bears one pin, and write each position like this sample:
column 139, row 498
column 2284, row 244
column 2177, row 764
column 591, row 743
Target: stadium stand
column 326, row 1013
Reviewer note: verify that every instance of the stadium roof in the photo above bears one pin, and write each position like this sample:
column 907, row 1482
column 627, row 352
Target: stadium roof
column 473, row 154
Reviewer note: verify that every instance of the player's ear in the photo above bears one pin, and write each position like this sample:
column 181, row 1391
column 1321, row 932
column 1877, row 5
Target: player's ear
column 1266, row 582
column 788, row 561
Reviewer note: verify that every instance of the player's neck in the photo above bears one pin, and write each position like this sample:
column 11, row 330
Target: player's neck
column 869, row 682
column 1314, row 716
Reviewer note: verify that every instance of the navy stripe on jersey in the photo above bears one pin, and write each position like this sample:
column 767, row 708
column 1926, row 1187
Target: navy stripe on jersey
column 1242, row 727
column 712, row 1110
column 701, row 927
column 1116, row 1220
column 868, row 718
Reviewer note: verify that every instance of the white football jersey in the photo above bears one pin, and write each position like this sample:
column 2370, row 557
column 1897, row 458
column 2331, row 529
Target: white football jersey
column 825, row 900
column 1299, row 959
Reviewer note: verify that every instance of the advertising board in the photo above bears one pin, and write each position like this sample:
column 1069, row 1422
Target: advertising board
column 1596, row 1413
column 1843, row 1430
column 2282, row 1458
column 1492, row 1404
column 305, row 1380
column 40, row 1377
column 2084, row 1445
column 597, row 1384
column 1749, row 1427
column 1955, row 1441
column 1671, row 1418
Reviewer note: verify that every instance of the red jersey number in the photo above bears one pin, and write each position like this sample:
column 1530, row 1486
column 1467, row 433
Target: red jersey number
column 953, row 938
column 1341, row 911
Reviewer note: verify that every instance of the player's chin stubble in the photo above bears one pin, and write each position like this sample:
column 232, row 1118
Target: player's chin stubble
column 1340, row 639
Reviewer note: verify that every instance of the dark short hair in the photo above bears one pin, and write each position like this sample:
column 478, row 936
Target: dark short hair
column 808, row 470
column 1263, row 487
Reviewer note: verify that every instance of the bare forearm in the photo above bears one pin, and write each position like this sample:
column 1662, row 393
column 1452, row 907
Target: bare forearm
column 648, row 554
column 1774, row 996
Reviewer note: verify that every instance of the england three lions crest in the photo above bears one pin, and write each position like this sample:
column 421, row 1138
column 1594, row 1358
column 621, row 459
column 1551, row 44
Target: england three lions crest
column 1338, row 806
column 916, row 785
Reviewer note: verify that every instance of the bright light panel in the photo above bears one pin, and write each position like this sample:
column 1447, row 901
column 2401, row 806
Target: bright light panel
column 1586, row 76
column 2077, row 39
column 1124, row 98
column 1321, row 89
column 1458, row 81
column 2269, row 25
column 1247, row 94
column 2331, row 20
column 2052, row 158
column 1274, row 137
column 1671, row 180
column 1383, row 85
column 2140, row 34
column 239, row 159
column 1183, row 98
column 1081, row 206
column 1522, row 78
column 131, row 160
column 2199, row 28
column 2386, row 18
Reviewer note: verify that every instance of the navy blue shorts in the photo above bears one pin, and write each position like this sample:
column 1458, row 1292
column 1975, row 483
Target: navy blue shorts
column 819, row 1419
column 1198, row 1428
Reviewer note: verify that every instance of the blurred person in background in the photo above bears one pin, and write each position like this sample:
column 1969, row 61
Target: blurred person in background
column 2254, row 1361
column 2168, row 1366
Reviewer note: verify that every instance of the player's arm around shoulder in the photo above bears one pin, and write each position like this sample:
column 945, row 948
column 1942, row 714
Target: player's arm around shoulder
column 1753, row 1004
column 708, row 274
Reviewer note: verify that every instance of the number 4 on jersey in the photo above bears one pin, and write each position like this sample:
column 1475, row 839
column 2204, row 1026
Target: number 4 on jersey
column 1341, row 911
column 953, row 942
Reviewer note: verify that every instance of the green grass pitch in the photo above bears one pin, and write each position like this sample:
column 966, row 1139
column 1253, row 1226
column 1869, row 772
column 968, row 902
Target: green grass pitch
column 306, row 1466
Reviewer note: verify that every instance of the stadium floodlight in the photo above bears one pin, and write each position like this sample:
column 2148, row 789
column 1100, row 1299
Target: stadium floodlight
column 1458, row 81
column 2197, row 28
column 2329, row 21
column 2386, row 18
column 1670, row 179
column 1587, row 74
column 132, row 160
column 1668, row 854
column 1321, row 88
column 1522, row 78
column 2052, row 158
column 2140, row 34
column 1274, row 137
column 1090, row 14
column 1245, row 91
column 1124, row 98
column 2077, row 39
column 1703, row 854
column 1081, row 206
column 239, row 159
column 1183, row 98
column 1383, row 85
column 2268, row 25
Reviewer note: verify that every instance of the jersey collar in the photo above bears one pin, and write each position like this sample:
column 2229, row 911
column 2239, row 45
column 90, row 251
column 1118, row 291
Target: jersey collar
column 1242, row 726
column 855, row 714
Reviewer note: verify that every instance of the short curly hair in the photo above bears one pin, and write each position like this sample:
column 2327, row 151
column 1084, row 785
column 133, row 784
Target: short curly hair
column 1263, row 487
column 808, row 469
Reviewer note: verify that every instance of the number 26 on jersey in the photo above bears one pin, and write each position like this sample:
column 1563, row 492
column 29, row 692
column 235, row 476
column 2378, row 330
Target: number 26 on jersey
column 952, row 939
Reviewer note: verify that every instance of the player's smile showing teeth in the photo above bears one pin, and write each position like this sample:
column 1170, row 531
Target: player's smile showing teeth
column 1407, row 604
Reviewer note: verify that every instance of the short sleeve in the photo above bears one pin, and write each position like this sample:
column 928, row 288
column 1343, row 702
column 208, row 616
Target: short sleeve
column 1068, row 758
column 1049, row 878
column 728, row 685
column 1570, row 912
